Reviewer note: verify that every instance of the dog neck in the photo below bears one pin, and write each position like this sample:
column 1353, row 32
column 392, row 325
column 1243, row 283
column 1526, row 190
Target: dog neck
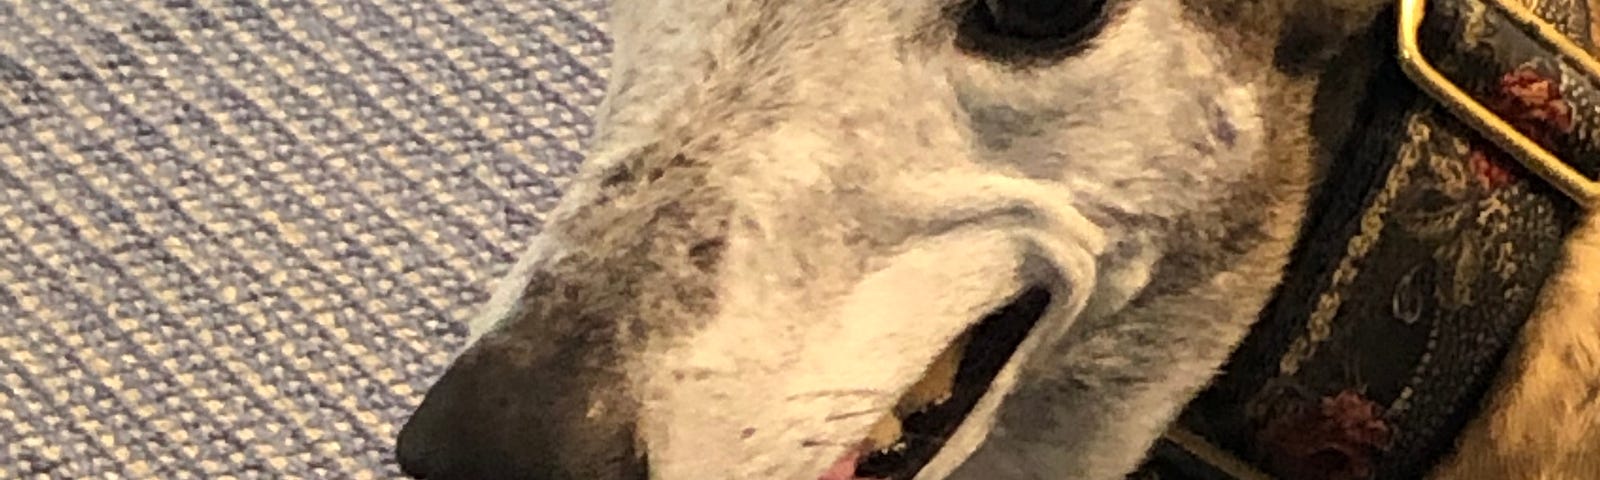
column 1423, row 254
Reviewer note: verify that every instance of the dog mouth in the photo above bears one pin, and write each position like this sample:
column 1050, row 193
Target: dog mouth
column 904, row 441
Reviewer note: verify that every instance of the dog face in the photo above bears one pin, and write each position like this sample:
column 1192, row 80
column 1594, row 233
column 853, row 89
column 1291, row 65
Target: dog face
column 793, row 208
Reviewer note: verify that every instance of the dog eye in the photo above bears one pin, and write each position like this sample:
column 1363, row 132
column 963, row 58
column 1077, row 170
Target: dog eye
column 1017, row 29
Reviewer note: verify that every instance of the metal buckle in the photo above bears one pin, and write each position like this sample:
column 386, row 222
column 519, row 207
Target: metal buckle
column 1214, row 456
column 1583, row 190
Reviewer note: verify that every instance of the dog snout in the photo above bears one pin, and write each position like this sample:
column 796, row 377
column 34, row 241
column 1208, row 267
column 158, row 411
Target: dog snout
column 495, row 415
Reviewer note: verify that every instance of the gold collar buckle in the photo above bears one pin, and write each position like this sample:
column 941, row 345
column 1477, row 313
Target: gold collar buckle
column 1584, row 190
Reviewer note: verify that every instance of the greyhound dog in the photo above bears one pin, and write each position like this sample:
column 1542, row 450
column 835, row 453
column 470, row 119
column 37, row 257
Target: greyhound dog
column 931, row 239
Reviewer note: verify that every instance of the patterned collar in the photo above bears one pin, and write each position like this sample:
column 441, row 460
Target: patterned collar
column 1423, row 255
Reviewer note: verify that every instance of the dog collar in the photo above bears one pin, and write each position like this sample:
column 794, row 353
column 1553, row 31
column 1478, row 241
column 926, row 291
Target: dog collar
column 1423, row 254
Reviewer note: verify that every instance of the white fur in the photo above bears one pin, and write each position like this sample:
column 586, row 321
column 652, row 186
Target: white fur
column 874, row 330
column 879, row 209
column 503, row 303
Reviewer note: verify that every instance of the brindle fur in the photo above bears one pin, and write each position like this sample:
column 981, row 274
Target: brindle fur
column 793, row 205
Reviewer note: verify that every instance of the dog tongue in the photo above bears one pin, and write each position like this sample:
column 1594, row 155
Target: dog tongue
column 845, row 468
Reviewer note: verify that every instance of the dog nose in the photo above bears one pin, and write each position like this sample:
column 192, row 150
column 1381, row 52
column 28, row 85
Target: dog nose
column 495, row 415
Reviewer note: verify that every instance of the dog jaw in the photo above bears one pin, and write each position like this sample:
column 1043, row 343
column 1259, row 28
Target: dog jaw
column 862, row 202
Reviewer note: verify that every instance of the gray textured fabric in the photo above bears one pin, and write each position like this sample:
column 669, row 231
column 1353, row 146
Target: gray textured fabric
column 239, row 237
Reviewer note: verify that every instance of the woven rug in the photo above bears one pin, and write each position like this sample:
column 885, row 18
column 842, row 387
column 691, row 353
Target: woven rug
column 239, row 237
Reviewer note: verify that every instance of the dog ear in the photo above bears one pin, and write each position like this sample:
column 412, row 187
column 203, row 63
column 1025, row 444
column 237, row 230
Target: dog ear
column 1315, row 32
column 1297, row 36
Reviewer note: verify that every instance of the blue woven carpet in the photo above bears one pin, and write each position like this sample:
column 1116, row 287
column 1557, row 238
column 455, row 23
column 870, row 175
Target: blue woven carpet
column 239, row 237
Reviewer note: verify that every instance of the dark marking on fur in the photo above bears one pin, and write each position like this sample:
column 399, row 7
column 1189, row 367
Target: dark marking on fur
column 1222, row 128
column 1590, row 397
column 998, row 125
column 1314, row 33
column 623, row 82
column 691, row 375
column 707, row 253
column 1576, row 359
column 677, row 161
column 849, row 415
column 619, row 175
